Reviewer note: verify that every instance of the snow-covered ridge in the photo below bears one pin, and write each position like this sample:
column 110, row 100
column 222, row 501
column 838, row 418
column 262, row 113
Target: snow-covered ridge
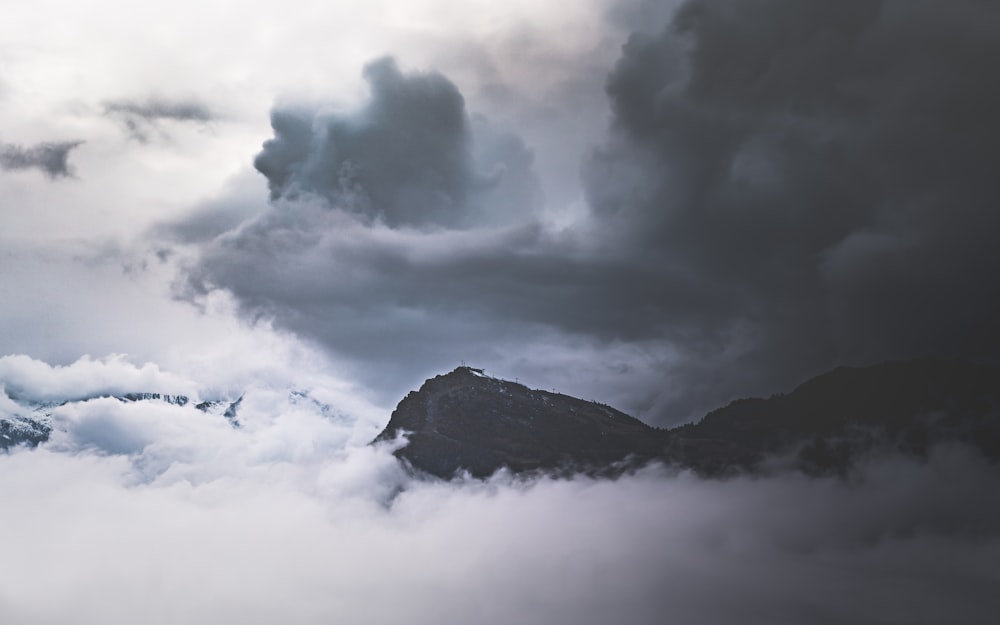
column 29, row 422
column 176, row 400
column 20, row 429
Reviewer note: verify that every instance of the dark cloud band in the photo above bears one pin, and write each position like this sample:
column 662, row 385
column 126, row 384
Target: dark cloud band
column 52, row 159
column 142, row 118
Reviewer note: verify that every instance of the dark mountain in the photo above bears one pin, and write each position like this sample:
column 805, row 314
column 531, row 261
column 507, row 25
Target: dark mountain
column 829, row 421
column 465, row 420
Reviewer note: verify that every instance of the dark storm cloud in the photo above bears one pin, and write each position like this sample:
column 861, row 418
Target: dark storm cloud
column 782, row 189
column 405, row 304
column 51, row 158
column 142, row 118
column 643, row 15
column 831, row 166
column 406, row 158
column 345, row 266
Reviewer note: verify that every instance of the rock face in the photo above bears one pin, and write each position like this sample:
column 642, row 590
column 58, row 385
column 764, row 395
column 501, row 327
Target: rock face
column 832, row 419
column 24, row 430
column 467, row 421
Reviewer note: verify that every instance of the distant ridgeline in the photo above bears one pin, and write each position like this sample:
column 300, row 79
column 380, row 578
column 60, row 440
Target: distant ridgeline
column 467, row 421
column 32, row 423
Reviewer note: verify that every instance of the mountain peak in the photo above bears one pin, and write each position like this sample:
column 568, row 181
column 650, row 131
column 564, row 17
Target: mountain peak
column 468, row 420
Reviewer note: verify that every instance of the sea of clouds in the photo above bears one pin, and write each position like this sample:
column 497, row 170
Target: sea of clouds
column 157, row 513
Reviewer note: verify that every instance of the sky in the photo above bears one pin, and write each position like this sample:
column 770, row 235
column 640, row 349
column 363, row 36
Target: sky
column 660, row 205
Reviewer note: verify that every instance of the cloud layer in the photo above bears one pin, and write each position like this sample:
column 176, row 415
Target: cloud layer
column 36, row 380
column 191, row 520
column 293, row 516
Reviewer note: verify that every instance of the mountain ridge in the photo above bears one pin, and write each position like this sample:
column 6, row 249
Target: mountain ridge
column 31, row 425
column 467, row 421
column 508, row 424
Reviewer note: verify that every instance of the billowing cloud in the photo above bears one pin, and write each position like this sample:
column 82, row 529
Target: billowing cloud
column 398, row 299
column 775, row 196
column 83, row 402
column 51, row 158
column 406, row 158
column 827, row 168
column 36, row 380
column 141, row 118
column 243, row 199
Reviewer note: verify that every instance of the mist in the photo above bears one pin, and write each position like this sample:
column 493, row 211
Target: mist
column 161, row 513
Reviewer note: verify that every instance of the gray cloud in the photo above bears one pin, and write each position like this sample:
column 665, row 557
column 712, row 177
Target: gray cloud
column 141, row 119
column 404, row 304
column 407, row 158
column 51, row 158
column 829, row 167
column 243, row 198
column 781, row 190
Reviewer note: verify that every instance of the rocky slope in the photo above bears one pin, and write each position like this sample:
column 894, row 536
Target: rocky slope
column 466, row 421
column 829, row 421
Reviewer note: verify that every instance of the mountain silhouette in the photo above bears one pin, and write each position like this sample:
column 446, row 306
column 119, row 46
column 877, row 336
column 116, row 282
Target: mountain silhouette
column 466, row 421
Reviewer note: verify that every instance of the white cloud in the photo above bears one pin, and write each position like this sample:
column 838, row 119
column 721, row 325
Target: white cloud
column 159, row 513
column 39, row 381
column 314, row 541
